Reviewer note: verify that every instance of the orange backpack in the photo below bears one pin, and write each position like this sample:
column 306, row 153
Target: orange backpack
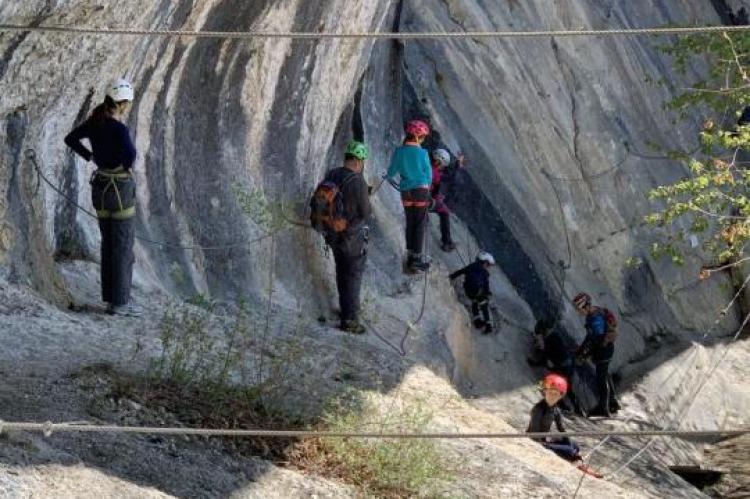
column 327, row 214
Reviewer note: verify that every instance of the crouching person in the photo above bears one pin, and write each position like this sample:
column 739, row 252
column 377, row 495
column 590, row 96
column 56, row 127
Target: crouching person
column 477, row 289
column 546, row 412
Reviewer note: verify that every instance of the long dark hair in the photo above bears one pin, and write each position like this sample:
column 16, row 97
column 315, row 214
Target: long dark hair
column 103, row 111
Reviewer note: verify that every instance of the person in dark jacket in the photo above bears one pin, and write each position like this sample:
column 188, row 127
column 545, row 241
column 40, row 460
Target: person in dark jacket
column 599, row 345
column 440, row 160
column 112, row 192
column 411, row 163
column 350, row 246
column 546, row 412
column 477, row 288
column 555, row 353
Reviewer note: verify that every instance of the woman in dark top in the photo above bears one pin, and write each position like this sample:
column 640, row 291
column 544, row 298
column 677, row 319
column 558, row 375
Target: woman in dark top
column 112, row 191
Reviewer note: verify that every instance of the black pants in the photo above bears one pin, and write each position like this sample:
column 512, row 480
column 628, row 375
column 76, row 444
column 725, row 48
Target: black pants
column 117, row 259
column 570, row 400
column 416, row 204
column 604, row 386
column 445, row 228
column 350, row 255
column 480, row 303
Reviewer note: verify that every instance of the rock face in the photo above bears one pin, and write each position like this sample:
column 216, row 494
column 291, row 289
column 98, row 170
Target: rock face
column 555, row 133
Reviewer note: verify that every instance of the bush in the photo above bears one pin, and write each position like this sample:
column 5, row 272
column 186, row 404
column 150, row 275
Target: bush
column 222, row 352
column 381, row 467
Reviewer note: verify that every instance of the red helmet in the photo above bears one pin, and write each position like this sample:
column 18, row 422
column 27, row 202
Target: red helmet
column 581, row 300
column 557, row 382
column 417, row 128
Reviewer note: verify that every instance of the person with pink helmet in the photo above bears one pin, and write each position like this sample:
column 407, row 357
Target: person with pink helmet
column 411, row 163
column 546, row 412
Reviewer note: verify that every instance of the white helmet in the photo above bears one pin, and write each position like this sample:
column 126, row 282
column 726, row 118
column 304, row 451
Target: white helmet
column 483, row 256
column 442, row 157
column 121, row 90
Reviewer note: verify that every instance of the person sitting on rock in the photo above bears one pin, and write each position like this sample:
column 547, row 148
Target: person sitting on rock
column 477, row 288
column 412, row 164
column 440, row 160
column 555, row 353
column 546, row 412
column 599, row 346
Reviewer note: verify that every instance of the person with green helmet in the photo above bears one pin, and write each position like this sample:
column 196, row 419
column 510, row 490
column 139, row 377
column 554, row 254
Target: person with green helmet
column 344, row 227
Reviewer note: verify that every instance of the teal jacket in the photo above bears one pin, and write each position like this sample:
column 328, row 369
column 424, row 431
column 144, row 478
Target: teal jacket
column 412, row 164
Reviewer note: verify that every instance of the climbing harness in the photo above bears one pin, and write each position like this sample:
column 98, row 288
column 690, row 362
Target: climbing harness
column 114, row 181
column 31, row 155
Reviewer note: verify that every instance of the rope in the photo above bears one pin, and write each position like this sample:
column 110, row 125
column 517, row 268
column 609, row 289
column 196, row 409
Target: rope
column 413, row 324
column 31, row 155
column 431, row 35
column 703, row 383
column 48, row 428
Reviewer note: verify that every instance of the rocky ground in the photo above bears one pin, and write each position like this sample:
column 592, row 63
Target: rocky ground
column 59, row 366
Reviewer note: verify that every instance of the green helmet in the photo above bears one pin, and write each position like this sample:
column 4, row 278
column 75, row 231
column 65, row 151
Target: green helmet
column 357, row 149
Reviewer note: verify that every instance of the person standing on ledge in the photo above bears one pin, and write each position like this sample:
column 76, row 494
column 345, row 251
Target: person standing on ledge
column 339, row 210
column 412, row 164
column 112, row 192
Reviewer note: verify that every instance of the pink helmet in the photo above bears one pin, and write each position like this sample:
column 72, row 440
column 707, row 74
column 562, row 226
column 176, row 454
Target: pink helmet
column 417, row 128
column 557, row 382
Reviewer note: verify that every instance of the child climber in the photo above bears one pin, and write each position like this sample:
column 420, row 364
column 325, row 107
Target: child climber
column 440, row 160
column 412, row 164
column 477, row 288
column 546, row 412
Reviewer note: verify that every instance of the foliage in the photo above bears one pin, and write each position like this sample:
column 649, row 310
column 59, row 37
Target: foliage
column 711, row 203
column 381, row 467
column 271, row 216
column 202, row 348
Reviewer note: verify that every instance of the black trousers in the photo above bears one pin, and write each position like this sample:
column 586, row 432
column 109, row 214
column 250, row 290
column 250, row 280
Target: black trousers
column 350, row 255
column 445, row 228
column 117, row 259
column 604, row 386
column 480, row 303
column 416, row 204
column 570, row 400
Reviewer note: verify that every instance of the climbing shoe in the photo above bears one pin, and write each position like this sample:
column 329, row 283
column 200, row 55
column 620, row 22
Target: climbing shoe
column 448, row 247
column 488, row 328
column 478, row 323
column 127, row 310
column 419, row 266
column 417, row 263
column 353, row 327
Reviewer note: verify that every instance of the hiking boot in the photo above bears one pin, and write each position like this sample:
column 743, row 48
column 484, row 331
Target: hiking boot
column 418, row 263
column 353, row 327
column 127, row 310
column 419, row 266
column 448, row 247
